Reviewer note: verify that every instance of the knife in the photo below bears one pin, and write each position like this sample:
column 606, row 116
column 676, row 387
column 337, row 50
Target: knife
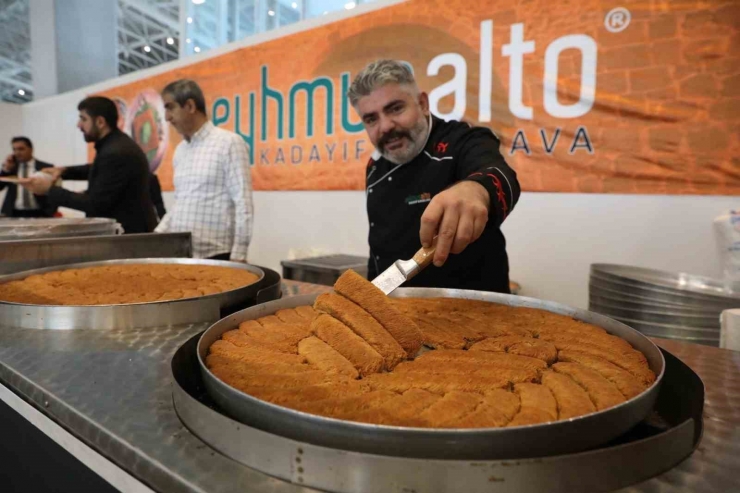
column 403, row 270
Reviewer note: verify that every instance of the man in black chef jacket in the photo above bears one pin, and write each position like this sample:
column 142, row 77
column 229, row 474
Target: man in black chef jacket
column 429, row 177
column 118, row 179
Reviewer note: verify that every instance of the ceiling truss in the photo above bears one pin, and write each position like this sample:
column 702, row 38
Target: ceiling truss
column 15, row 52
column 147, row 23
column 149, row 32
column 141, row 24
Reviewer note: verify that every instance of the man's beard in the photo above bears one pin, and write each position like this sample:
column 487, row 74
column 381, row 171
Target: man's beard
column 93, row 136
column 416, row 139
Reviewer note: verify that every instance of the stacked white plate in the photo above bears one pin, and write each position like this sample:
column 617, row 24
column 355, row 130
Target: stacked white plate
column 661, row 304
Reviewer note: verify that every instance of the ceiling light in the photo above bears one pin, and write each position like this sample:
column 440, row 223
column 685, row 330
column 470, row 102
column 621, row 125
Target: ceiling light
column 350, row 5
column 147, row 48
column 187, row 40
column 196, row 49
column 21, row 92
column 199, row 2
column 170, row 41
column 294, row 5
column 270, row 12
column 190, row 20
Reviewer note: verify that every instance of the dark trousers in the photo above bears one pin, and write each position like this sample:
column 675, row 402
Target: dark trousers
column 28, row 213
column 221, row 256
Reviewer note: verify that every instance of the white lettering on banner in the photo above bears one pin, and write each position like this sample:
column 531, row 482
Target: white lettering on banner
column 515, row 50
column 587, row 46
column 486, row 71
column 456, row 86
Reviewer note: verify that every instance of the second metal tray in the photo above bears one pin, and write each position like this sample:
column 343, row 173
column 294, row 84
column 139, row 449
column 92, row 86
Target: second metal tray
column 152, row 314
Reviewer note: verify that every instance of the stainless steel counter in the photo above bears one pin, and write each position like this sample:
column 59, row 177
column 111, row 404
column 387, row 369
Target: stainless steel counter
column 111, row 389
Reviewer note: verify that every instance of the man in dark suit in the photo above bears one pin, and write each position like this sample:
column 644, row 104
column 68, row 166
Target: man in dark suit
column 20, row 202
column 118, row 178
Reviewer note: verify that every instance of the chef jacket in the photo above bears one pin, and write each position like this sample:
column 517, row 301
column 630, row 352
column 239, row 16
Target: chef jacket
column 397, row 196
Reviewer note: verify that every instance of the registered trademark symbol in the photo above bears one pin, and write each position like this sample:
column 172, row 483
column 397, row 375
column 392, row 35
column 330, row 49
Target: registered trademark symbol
column 617, row 20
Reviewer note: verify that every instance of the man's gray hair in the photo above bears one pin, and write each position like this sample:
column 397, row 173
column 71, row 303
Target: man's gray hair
column 184, row 89
column 379, row 73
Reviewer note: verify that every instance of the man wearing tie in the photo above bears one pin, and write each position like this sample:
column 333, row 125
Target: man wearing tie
column 20, row 202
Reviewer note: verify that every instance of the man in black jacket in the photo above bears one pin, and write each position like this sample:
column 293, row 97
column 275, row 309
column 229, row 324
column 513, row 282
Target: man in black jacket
column 118, row 178
column 432, row 178
column 22, row 164
column 155, row 193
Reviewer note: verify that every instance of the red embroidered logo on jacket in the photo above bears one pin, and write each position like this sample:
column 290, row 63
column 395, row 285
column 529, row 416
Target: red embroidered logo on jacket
column 442, row 146
column 500, row 195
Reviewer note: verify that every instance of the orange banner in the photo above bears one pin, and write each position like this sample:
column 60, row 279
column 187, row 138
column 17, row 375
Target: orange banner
column 624, row 96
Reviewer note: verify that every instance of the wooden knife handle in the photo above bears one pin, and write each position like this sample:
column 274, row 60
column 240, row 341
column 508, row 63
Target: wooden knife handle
column 425, row 256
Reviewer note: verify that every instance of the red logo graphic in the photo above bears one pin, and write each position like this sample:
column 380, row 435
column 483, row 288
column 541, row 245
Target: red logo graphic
column 442, row 147
column 500, row 195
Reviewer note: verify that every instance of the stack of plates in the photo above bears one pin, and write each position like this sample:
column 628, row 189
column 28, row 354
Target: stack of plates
column 661, row 304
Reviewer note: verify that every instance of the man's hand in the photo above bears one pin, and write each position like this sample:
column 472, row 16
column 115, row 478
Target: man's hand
column 458, row 216
column 38, row 184
column 9, row 164
column 55, row 172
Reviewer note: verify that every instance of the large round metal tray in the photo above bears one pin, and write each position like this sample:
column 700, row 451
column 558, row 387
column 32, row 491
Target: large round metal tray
column 187, row 310
column 477, row 444
column 669, row 435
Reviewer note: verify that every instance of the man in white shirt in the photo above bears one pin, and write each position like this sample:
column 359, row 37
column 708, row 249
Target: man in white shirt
column 213, row 185
column 20, row 202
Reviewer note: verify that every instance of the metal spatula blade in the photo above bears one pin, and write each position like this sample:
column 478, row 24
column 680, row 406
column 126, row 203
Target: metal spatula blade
column 403, row 270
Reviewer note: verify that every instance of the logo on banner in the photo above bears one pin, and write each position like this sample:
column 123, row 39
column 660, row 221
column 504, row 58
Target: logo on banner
column 271, row 135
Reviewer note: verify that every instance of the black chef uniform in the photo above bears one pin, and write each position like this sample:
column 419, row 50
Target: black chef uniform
column 397, row 196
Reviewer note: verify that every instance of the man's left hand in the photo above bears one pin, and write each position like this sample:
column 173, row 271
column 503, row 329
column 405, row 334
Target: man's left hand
column 38, row 184
column 457, row 216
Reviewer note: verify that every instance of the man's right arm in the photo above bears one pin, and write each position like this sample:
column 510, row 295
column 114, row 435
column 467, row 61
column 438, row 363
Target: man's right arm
column 80, row 172
column 7, row 169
